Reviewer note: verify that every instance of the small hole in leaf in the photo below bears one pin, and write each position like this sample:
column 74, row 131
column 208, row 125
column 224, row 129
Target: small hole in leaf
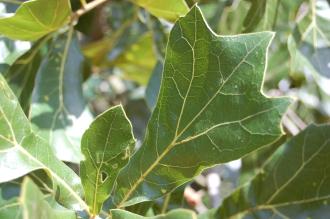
column 104, row 176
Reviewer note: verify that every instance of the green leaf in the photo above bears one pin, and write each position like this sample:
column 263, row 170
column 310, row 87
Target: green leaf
column 153, row 86
column 107, row 146
column 255, row 14
column 170, row 9
column 264, row 15
column 310, row 42
column 35, row 206
column 32, row 203
column 294, row 183
column 175, row 214
column 22, row 151
column 36, row 18
column 58, row 110
column 138, row 60
column 21, row 75
column 210, row 110
column 9, row 208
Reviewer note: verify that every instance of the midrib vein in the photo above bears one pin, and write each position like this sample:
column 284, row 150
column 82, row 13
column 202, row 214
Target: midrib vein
column 178, row 135
column 100, row 167
column 60, row 83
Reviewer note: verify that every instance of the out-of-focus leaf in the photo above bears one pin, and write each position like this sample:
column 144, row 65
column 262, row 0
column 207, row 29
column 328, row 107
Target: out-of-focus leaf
column 12, row 50
column 253, row 163
column 21, row 75
column 175, row 214
column 256, row 13
column 28, row 23
column 170, row 9
column 153, row 86
column 125, row 30
column 107, row 146
column 32, row 203
column 213, row 11
column 9, row 208
column 22, row 151
column 59, row 112
column 138, row 61
column 210, row 110
column 233, row 18
column 292, row 184
column 263, row 15
column 309, row 44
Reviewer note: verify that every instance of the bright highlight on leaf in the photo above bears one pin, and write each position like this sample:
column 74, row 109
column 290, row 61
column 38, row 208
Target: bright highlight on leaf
column 32, row 203
column 36, row 18
column 22, row 151
column 59, row 112
column 210, row 110
column 169, row 9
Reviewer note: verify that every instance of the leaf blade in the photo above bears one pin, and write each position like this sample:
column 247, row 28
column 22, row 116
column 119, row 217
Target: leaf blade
column 59, row 112
column 170, row 9
column 175, row 214
column 292, row 184
column 25, row 151
column 29, row 24
column 203, row 73
column 107, row 145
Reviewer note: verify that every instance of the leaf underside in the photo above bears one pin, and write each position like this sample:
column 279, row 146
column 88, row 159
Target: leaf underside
column 35, row 19
column 59, row 112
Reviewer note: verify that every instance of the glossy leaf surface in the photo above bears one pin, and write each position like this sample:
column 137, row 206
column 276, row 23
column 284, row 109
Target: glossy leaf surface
column 170, row 9
column 210, row 110
column 28, row 23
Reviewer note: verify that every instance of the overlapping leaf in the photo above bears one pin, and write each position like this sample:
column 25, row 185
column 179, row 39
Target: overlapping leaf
column 175, row 214
column 107, row 145
column 11, row 50
column 210, row 110
column 21, row 75
column 294, row 183
column 263, row 15
column 36, row 18
column 58, row 110
column 32, row 203
column 22, row 151
column 170, row 9
column 310, row 42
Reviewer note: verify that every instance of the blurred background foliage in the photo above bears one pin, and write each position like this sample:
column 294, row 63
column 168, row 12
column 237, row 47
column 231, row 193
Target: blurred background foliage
column 124, row 46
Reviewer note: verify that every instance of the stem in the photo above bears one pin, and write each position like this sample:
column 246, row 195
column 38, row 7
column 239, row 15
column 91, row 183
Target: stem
column 11, row 2
column 166, row 202
column 88, row 7
column 83, row 3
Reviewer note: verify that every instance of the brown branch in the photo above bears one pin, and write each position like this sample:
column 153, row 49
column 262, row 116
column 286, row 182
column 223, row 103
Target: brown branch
column 88, row 7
